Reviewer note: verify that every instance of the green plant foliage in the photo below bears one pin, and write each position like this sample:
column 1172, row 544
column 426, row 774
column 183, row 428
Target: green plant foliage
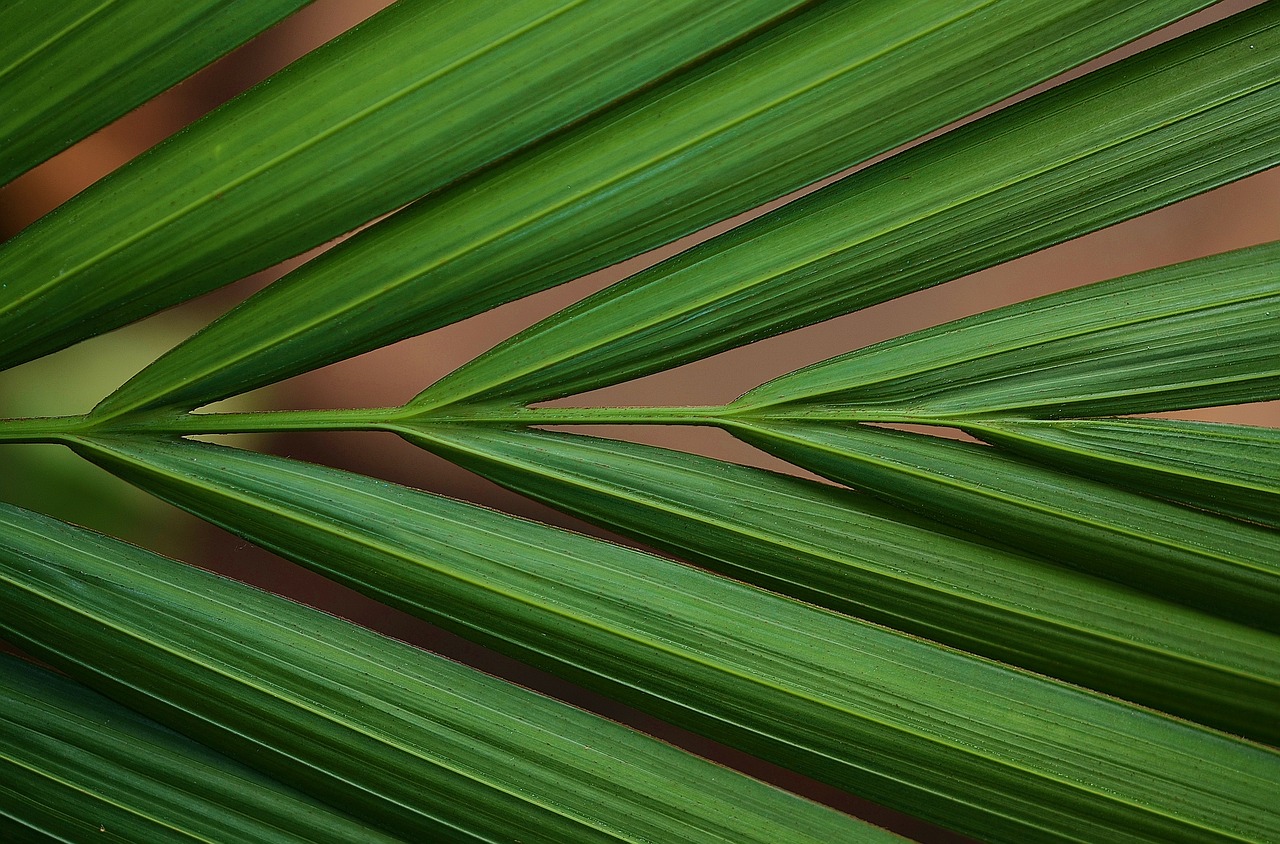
column 1228, row 469
column 62, row 81
column 1221, row 566
column 777, row 113
column 406, row 740
column 1114, row 144
column 1190, row 335
column 851, row 554
column 78, row 766
column 859, row 702
column 1065, row 632
column 410, row 101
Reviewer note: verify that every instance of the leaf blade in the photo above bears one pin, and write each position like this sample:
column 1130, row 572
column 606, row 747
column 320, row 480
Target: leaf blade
column 1223, row 567
column 1195, row 334
column 408, row 101
column 711, row 654
column 68, row 69
column 780, row 112
column 841, row 551
column 1227, row 469
column 1119, row 142
column 413, row 743
column 78, row 765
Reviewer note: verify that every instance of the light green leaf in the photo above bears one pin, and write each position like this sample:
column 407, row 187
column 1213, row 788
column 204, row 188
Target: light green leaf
column 1223, row 567
column 1196, row 334
column 1228, row 469
column 1166, row 124
column 852, row 554
column 423, row 747
column 829, row 88
column 72, row 66
column 973, row 745
column 79, row 768
column 407, row 102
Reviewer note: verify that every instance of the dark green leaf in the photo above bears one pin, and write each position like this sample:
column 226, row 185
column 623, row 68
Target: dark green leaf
column 1228, row 469
column 949, row 737
column 1224, row 567
column 77, row 767
column 1163, row 125
column 72, row 66
column 1192, row 335
column 410, row 100
column 849, row 553
column 408, row 741
column 825, row 90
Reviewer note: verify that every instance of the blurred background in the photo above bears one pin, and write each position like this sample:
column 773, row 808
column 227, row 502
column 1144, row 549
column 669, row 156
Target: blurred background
column 50, row 479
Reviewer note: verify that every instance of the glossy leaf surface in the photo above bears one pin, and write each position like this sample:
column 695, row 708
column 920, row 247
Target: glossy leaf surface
column 948, row 737
column 411, row 742
column 1194, row 334
column 77, row 767
column 1228, row 469
column 1224, row 567
column 411, row 100
column 1003, row 675
column 1163, row 125
column 70, row 67
column 818, row 93
column 854, row 555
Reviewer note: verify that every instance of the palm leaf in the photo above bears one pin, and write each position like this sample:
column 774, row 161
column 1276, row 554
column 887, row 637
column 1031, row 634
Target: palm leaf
column 1229, row 469
column 70, row 68
column 78, row 767
column 772, row 116
column 922, row 649
column 850, row 554
column 255, row 182
column 843, row 701
column 1190, row 335
column 1223, row 567
column 415, row 744
column 1087, row 154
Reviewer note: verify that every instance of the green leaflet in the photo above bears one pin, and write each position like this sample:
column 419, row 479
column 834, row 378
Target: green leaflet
column 820, row 92
column 852, row 554
column 70, row 67
column 1163, row 125
column 1223, row 567
column 411, row 100
column 1191, row 335
column 1228, row 469
column 967, row 743
column 411, row 742
column 80, row 768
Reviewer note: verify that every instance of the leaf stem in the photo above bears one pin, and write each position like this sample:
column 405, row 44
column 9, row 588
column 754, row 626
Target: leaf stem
column 63, row 428
column 40, row 429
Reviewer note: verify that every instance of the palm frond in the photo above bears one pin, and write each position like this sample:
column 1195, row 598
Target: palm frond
column 1064, row 632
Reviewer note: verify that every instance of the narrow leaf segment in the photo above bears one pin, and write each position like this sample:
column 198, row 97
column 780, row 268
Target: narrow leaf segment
column 69, row 68
column 1227, row 568
column 1195, row 334
column 409, row 101
column 1166, row 124
column 949, row 737
column 427, row 749
column 76, row 767
column 1229, row 469
column 821, row 91
column 852, row 554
